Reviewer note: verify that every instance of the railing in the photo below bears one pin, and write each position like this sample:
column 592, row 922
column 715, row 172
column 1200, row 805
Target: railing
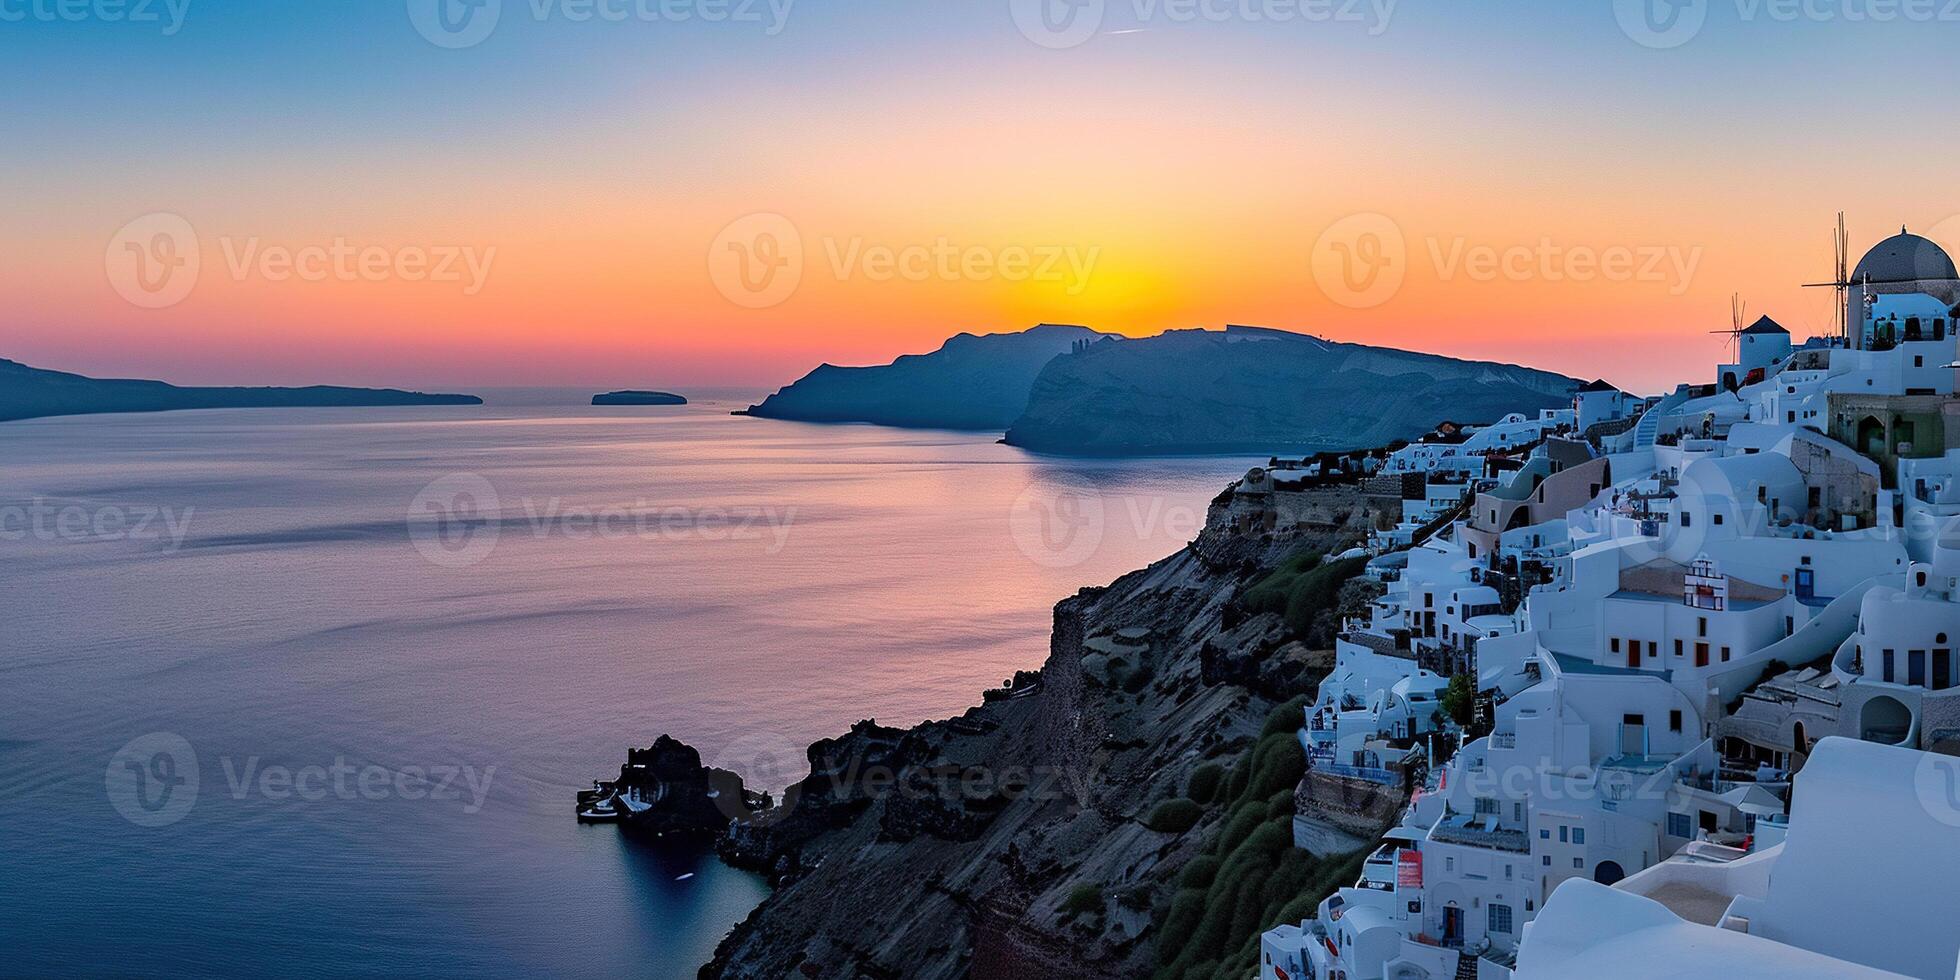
column 1369, row 773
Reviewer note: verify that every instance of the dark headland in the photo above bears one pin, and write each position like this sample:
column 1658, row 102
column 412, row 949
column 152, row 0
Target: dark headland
column 638, row 398
column 27, row 393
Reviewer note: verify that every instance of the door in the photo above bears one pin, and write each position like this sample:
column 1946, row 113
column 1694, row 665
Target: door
column 1452, row 926
column 1633, row 654
column 1942, row 669
column 1701, row 654
column 1806, row 583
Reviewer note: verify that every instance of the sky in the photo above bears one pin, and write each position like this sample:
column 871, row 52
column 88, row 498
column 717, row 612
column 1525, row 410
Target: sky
column 672, row 193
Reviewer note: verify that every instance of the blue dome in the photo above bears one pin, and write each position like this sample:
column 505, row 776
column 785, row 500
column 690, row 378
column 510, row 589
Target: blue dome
column 1905, row 258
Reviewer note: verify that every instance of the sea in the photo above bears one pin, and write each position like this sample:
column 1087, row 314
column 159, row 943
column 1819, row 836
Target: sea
column 311, row 691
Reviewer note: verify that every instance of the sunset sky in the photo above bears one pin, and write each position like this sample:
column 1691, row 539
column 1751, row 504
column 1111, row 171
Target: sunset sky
column 1188, row 166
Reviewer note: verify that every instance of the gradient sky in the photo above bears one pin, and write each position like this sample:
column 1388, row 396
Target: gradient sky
column 1199, row 162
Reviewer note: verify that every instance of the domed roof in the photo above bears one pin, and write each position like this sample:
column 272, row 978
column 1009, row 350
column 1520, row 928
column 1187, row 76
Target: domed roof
column 1904, row 258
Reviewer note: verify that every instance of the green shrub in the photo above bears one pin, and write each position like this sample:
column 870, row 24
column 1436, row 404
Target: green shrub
column 1200, row 872
column 1301, row 589
column 1084, row 898
column 1174, row 816
column 1205, row 782
column 1250, row 876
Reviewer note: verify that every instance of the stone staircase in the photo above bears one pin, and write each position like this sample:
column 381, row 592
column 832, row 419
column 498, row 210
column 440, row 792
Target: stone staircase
column 1648, row 429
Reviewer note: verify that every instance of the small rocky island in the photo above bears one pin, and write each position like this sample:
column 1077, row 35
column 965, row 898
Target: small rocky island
column 638, row 398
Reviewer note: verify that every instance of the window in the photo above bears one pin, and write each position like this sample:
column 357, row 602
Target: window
column 1613, row 644
column 1578, row 863
column 1578, row 835
column 1486, row 805
column 1449, row 864
column 1687, row 519
column 1500, row 918
column 1507, row 871
column 1701, row 625
column 1548, row 860
column 1725, row 654
column 1674, row 720
column 1717, row 518
column 1887, row 675
column 1564, row 834
column 1544, row 833
column 1678, row 825
column 1677, row 648
column 1529, row 905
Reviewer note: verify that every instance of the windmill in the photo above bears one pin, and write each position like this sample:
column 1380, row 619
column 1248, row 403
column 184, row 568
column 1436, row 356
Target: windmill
column 1841, row 284
column 1738, row 313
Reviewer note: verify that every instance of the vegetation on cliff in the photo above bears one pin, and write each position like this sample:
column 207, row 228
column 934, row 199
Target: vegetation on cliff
column 1307, row 594
column 1250, row 875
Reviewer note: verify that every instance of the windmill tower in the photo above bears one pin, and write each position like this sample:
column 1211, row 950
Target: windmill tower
column 1738, row 316
column 1843, row 281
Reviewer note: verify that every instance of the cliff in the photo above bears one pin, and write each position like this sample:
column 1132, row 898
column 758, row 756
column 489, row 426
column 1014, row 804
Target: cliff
column 27, row 393
column 971, row 382
column 1262, row 391
column 1053, row 831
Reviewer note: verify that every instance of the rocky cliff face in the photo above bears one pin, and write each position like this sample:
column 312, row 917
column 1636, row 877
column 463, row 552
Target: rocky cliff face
column 1013, row 841
column 1262, row 391
column 971, row 382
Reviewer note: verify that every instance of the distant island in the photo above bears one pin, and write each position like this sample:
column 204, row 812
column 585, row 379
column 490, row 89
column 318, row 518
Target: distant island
column 27, row 393
column 1257, row 390
column 638, row 398
column 971, row 382
column 1074, row 391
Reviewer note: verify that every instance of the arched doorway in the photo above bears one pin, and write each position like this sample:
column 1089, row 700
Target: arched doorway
column 1885, row 720
column 1608, row 872
column 1871, row 436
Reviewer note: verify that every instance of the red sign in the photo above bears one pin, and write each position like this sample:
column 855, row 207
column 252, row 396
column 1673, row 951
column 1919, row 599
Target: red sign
column 1408, row 869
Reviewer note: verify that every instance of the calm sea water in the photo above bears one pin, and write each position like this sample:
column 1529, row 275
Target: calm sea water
column 310, row 692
